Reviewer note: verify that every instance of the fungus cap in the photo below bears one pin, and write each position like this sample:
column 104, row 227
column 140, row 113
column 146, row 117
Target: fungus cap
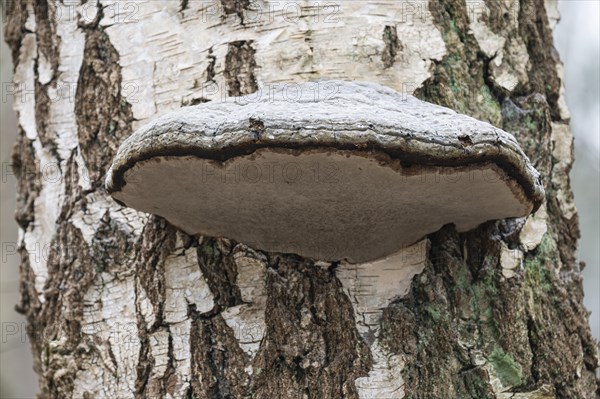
column 341, row 171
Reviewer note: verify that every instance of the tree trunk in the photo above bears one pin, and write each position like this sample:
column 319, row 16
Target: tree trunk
column 120, row 304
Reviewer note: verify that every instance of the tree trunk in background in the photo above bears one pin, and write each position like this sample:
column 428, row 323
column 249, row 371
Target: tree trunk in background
column 120, row 304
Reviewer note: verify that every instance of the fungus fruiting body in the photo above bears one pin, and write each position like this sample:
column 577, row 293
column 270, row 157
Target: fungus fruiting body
column 355, row 175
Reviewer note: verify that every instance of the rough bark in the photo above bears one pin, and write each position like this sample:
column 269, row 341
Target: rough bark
column 120, row 304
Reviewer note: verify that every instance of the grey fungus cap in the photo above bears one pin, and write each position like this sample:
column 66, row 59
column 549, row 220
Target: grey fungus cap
column 337, row 171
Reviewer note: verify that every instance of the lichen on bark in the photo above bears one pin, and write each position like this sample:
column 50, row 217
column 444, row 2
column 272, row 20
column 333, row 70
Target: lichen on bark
column 528, row 320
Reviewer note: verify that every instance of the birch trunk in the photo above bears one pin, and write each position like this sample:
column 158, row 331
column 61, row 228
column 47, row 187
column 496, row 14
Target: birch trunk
column 122, row 305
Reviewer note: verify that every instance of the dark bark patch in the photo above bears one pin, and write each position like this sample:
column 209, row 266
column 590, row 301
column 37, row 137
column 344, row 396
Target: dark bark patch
column 256, row 125
column 103, row 115
column 69, row 275
column 28, row 177
column 194, row 101
column 311, row 348
column 476, row 383
column 219, row 269
column 529, row 118
column 399, row 329
column 459, row 80
column 466, row 140
column 42, row 112
column 557, row 326
column 145, row 365
column 48, row 42
column 16, row 15
column 537, row 35
column 210, row 69
column 217, row 357
column 183, row 5
column 392, row 46
column 236, row 7
column 452, row 301
column 239, row 68
column 157, row 242
column 30, row 306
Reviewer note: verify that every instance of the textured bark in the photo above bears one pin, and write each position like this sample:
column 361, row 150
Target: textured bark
column 121, row 304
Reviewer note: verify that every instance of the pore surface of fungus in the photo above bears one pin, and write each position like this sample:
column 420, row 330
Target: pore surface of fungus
column 336, row 171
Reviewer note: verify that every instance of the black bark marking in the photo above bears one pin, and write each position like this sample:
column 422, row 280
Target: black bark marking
column 239, row 68
column 157, row 242
column 210, row 69
column 103, row 115
column 194, row 101
column 235, row 7
column 219, row 269
column 183, row 5
column 392, row 46
column 257, row 126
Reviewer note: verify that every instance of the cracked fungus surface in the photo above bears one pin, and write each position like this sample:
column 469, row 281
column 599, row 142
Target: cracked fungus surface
column 272, row 174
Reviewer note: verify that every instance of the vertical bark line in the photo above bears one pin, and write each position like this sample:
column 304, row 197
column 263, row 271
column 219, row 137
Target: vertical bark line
column 210, row 69
column 46, row 68
column 59, row 321
column 46, row 16
column 239, row 68
column 392, row 46
column 16, row 14
column 27, row 167
column 103, row 115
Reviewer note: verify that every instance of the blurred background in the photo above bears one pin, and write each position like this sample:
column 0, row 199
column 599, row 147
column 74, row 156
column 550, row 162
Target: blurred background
column 577, row 39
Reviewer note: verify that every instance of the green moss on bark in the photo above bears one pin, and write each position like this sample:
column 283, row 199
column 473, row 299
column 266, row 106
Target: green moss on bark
column 507, row 369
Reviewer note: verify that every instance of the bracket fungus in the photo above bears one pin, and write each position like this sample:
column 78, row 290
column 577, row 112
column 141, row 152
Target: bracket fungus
column 354, row 172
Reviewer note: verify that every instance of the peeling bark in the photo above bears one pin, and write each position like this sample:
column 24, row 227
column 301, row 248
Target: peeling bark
column 121, row 304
